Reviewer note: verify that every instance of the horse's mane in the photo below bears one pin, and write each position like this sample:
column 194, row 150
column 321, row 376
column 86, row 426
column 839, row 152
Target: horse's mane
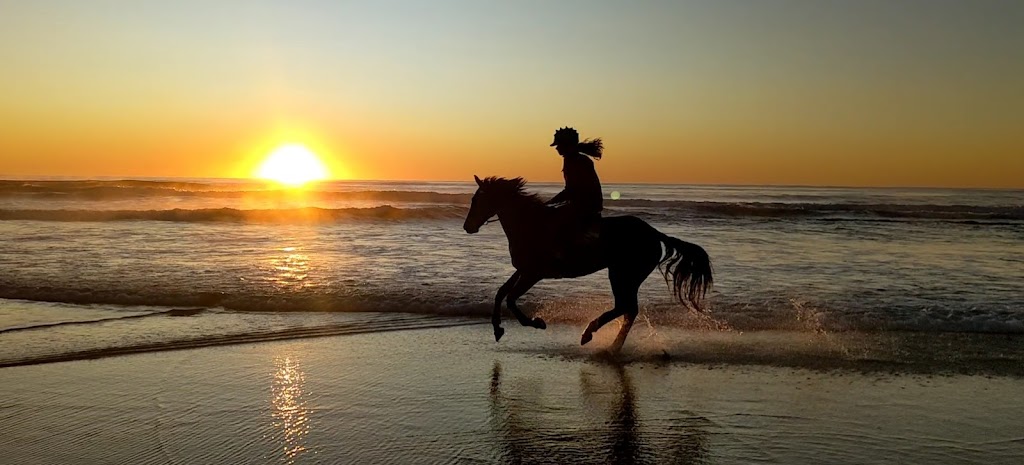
column 515, row 187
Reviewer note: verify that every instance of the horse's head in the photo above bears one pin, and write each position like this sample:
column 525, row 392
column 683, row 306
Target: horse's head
column 483, row 207
column 491, row 195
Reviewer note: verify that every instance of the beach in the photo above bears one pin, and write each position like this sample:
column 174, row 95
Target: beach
column 451, row 395
column 223, row 321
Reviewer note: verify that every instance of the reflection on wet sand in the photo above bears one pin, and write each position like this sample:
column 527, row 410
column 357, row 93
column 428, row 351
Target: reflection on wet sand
column 290, row 412
column 531, row 432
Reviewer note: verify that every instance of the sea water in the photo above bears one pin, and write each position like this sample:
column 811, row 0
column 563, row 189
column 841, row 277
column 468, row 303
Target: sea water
column 90, row 266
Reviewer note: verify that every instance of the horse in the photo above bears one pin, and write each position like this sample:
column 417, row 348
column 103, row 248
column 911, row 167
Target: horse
column 626, row 245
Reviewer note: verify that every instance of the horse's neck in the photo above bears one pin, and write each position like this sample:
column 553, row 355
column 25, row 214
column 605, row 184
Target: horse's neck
column 522, row 220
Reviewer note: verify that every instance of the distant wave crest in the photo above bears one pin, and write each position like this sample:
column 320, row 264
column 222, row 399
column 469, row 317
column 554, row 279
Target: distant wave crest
column 439, row 205
column 205, row 215
column 123, row 190
column 825, row 210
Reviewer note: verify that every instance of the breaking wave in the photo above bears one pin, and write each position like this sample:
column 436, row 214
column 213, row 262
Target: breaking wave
column 205, row 215
column 725, row 313
column 830, row 210
column 403, row 204
column 673, row 209
column 121, row 190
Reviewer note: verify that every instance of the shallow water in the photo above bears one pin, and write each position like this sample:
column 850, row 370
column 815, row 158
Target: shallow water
column 444, row 396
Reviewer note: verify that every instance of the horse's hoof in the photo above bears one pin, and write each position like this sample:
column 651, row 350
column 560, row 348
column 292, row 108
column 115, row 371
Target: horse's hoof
column 587, row 336
column 498, row 333
column 539, row 323
column 608, row 355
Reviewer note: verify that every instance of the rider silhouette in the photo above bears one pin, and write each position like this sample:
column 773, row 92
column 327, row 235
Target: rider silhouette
column 581, row 202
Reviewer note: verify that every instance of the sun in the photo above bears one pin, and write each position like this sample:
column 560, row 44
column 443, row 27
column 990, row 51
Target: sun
column 292, row 164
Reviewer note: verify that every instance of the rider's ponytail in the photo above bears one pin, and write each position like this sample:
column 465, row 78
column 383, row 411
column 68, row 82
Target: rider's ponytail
column 592, row 147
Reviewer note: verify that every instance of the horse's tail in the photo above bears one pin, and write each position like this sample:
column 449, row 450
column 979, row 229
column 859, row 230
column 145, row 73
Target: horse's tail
column 690, row 268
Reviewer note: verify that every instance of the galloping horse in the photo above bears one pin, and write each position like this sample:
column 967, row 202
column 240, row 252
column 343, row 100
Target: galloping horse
column 629, row 247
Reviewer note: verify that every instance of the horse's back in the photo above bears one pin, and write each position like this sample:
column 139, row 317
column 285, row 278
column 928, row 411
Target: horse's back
column 631, row 242
column 628, row 226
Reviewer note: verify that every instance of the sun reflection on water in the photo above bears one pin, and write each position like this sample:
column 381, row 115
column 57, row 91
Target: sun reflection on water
column 290, row 410
column 290, row 268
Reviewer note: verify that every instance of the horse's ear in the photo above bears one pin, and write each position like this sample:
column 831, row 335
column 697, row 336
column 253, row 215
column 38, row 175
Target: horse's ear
column 478, row 181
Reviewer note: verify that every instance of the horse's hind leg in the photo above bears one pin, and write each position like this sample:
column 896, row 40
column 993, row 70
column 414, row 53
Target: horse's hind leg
column 620, row 339
column 518, row 289
column 625, row 287
column 496, row 315
column 626, row 298
column 598, row 322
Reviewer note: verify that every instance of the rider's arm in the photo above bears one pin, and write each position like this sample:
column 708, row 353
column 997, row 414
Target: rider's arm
column 559, row 197
column 563, row 196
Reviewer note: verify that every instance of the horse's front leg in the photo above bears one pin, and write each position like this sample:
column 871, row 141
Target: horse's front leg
column 496, row 315
column 518, row 289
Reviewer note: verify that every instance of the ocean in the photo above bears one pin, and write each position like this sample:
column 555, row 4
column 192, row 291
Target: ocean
column 99, row 267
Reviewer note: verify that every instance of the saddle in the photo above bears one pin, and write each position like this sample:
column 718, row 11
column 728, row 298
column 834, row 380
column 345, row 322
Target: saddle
column 574, row 241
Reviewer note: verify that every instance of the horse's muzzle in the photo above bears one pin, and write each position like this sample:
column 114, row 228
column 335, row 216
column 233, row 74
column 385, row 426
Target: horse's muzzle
column 471, row 229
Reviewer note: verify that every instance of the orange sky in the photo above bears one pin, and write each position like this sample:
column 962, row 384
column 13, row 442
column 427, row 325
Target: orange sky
column 777, row 92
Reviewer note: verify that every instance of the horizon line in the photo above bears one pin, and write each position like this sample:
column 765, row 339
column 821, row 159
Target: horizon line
column 5, row 177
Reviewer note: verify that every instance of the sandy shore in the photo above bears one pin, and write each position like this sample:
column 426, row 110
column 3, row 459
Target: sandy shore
column 452, row 395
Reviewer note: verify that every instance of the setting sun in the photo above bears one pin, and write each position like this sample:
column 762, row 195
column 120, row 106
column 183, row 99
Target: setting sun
column 292, row 164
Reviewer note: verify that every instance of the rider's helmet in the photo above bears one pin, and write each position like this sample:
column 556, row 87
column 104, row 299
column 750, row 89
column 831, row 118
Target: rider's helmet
column 566, row 136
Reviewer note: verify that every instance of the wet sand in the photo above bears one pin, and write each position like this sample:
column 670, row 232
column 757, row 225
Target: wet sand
column 451, row 395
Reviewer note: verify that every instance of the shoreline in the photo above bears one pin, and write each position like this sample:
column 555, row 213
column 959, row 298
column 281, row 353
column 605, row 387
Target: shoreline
column 881, row 352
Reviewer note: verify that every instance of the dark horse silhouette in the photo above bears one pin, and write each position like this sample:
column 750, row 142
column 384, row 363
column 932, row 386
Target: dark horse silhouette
column 629, row 247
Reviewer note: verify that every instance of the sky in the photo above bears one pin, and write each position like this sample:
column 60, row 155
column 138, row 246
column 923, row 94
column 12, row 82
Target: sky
column 790, row 92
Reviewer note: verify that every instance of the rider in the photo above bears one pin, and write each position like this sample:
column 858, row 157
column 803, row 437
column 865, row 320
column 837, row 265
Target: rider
column 582, row 198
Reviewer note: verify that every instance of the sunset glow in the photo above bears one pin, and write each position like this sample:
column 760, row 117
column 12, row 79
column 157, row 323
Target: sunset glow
column 294, row 165
column 774, row 92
